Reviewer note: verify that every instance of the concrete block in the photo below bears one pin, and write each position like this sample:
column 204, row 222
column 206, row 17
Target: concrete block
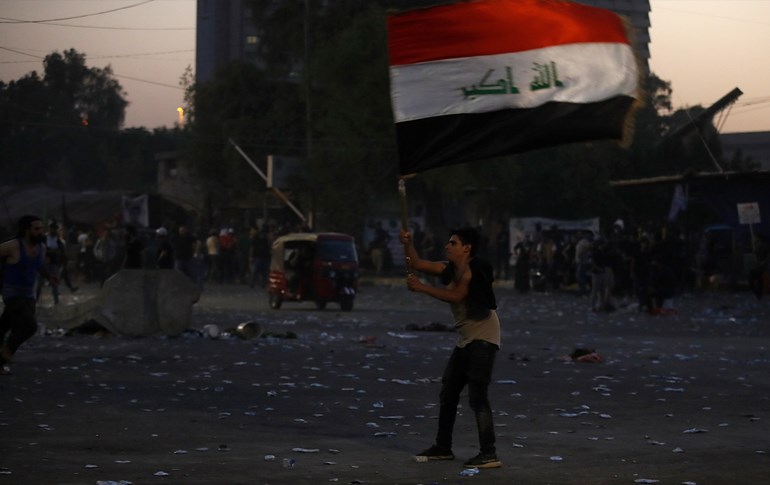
column 146, row 302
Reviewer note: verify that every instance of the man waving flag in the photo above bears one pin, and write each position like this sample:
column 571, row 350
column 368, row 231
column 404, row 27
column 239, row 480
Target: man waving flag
column 486, row 78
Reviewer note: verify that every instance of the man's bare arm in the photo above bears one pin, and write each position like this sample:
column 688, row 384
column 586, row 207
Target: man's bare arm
column 415, row 262
column 457, row 293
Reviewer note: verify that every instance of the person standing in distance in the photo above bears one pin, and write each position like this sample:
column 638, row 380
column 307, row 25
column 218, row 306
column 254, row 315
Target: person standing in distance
column 23, row 258
column 472, row 301
column 165, row 250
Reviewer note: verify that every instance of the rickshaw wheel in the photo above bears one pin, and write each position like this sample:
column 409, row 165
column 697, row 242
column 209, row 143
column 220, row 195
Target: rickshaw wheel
column 320, row 304
column 275, row 301
column 346, row 303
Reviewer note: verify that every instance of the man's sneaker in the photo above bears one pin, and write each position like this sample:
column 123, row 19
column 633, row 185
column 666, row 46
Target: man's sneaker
column 434, row 453
column 483, row 460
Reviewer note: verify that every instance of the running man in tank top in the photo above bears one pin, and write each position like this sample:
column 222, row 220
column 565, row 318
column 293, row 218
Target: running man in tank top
column 23, row 259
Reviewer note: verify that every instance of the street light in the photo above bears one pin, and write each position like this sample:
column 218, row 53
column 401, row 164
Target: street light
column 181, row 116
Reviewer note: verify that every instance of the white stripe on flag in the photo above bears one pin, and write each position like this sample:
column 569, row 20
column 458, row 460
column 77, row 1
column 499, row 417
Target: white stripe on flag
column 587, row 73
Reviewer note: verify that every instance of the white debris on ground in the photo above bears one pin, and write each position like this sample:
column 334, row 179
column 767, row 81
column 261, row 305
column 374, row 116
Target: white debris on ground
column 689, row 381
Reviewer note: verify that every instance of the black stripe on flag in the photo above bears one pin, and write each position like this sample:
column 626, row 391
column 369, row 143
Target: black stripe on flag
column 446, row 140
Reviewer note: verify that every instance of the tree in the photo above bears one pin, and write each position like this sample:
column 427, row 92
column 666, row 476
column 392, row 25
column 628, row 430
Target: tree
column 89, row 95
column 261, row 116
column 55, row 128
column 353, row 155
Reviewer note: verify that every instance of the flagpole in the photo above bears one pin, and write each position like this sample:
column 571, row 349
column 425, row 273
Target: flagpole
column 404, row 204
column 404, row 217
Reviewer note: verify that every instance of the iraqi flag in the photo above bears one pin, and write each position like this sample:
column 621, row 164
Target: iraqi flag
column 486, row 78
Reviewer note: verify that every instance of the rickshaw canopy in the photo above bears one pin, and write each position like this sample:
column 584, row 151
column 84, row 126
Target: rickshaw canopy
column 284, row 246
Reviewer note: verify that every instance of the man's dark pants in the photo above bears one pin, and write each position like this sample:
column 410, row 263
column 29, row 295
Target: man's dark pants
column 472, row 366
column 17, row 322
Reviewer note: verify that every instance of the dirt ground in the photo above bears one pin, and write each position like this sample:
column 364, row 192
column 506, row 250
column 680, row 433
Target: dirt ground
column 680, row 399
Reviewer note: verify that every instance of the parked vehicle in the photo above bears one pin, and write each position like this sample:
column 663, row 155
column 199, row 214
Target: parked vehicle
column 319, row 267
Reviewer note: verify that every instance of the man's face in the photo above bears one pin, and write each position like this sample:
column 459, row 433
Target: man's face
column 36, row 232
column 455, row 247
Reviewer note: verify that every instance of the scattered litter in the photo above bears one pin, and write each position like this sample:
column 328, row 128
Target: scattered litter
column 305, row 450
column 401, row 381
column 584, row 355
column 469, row 472
column 249, row 330
column 402, row 335
column 695, row 431
column 211, row 331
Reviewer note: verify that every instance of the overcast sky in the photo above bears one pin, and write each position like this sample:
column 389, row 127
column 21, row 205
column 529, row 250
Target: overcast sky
column 705, row 48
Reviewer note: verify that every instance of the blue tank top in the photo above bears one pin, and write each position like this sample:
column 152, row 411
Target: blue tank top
column 19, row 278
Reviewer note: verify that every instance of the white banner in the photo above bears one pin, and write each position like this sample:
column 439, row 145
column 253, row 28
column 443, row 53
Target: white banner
column 749, row 213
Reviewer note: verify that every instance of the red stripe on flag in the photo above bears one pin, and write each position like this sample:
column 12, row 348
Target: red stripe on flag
column 488, row 27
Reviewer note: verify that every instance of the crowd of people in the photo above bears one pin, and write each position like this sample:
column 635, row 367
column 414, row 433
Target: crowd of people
column 646, row 266
column 221, row 255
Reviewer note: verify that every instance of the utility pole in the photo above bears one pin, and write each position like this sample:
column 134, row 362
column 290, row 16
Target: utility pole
column 308, row 111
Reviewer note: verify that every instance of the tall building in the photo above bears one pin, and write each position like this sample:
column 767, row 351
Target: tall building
column 225, row 32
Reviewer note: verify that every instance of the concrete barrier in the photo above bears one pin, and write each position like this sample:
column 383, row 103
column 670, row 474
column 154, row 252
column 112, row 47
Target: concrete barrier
column 145, row 302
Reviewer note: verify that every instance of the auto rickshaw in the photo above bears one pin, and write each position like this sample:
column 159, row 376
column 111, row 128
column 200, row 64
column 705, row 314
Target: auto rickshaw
column 319, row 267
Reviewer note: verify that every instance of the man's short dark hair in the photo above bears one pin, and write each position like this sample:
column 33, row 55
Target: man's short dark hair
column 469, row 235
column 24, row 223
